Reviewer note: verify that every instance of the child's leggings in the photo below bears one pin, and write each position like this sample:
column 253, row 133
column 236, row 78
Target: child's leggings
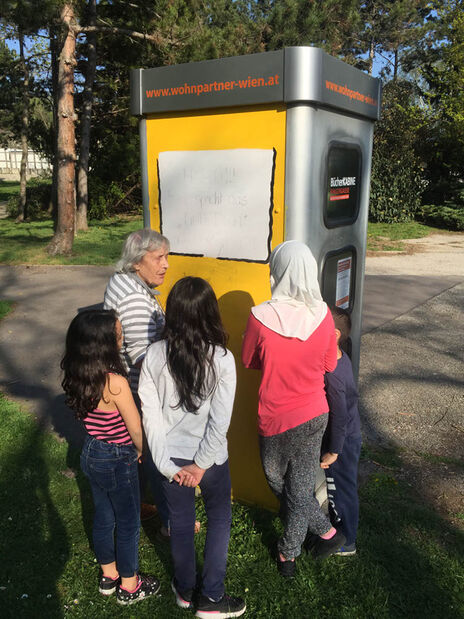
column 290, row 460
column 112, row 472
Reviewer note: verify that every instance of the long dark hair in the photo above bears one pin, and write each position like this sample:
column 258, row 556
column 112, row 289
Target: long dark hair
column 91, row 352
column 193, row 330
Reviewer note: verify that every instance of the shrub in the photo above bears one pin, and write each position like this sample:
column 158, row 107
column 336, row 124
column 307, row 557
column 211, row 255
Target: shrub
column 113, row 198
column 449, row 216
column 37, row 197
column 397, row 174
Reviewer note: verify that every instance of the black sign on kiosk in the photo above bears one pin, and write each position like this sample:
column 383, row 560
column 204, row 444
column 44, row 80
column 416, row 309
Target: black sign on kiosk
column 343, row 179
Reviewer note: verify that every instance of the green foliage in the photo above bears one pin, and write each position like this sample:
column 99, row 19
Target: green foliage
column 450, row 216
column 397, row 179
column 330, row 25
column 392, row 30
column 442, row 81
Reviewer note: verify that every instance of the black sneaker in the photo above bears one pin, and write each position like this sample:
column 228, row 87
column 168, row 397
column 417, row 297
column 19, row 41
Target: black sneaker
column 225, row 607
column 107, row 586
column 310, row 541
column 286, row 568
column 148, row 585
column 323, row 548
column 183, row 598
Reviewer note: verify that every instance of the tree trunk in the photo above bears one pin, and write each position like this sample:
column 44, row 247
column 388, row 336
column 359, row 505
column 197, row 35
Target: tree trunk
column 395, row 65
column 22, row 214
column 54, row 46
column 371, row 56
column 64, row 235
column 86, row 123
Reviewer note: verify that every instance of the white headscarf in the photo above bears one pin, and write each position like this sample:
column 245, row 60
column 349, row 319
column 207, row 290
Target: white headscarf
column 296, row 308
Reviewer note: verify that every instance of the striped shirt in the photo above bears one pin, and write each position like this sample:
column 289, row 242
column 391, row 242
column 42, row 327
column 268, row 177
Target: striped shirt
column 107, row 426
column 141, row 316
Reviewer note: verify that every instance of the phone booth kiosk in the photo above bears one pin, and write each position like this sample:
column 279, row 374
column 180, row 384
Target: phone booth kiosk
column 240, row 154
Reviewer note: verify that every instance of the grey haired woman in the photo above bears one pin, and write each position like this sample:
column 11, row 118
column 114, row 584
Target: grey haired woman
column 132, row 293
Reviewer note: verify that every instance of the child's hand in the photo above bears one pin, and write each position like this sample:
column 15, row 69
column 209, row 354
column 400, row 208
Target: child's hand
column 195, row 471
column 328, row 459
column 184, row 478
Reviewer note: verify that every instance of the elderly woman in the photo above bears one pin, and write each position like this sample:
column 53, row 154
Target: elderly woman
column 291, row 338
column 131, row 293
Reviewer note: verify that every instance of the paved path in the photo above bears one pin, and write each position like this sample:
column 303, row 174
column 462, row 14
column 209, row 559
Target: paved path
column 47, row 297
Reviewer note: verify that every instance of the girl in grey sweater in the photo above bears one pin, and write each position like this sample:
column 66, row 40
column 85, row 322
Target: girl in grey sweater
column 187, row 388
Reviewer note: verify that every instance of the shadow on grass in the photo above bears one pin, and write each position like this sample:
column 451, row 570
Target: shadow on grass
column 409, row 563
column 33, row 534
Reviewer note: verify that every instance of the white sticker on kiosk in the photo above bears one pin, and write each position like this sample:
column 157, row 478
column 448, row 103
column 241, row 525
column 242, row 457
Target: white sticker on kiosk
column 342, row 294
column 217, row 203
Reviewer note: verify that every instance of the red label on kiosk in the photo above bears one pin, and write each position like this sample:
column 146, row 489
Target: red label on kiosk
column 342, row 294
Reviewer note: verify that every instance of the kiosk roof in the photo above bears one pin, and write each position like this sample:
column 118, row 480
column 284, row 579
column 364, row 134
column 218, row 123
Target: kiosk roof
column 291, row 75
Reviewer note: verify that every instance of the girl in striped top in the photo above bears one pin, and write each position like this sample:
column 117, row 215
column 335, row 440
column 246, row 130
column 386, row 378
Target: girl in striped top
column 99, row 394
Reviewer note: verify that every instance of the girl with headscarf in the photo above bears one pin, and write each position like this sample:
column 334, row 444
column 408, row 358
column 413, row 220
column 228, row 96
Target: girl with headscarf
column 291, row 339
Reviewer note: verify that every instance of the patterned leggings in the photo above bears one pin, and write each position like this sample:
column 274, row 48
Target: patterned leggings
column 290, row 462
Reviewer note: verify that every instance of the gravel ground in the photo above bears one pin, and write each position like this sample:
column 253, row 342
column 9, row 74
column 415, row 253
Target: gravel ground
column 411, row 375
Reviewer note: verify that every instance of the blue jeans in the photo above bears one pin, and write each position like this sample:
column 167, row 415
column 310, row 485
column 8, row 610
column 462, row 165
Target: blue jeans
column 215, row 490
column 112, row 472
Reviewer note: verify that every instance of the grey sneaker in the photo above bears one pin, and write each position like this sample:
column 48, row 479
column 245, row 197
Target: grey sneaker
column 225, row 607
column 148, row 585
column 348, row 550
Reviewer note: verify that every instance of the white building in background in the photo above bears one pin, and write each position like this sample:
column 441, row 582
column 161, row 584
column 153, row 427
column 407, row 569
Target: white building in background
column 10, row 163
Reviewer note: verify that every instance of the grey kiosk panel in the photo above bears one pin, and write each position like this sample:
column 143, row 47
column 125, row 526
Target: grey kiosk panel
column 331, row 108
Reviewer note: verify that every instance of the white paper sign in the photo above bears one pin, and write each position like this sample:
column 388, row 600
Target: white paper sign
column 342, row 293
column 217, row 203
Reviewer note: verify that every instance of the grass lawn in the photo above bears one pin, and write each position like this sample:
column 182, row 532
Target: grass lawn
column 388, row 237
column 409, row 562
column 26, row 243
column 8, row 189
column 5, row 308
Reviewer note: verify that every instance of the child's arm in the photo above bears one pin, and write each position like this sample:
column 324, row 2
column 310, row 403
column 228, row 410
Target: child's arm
column 121, row 395
column 215, row 435
column 250, row 356
column 153, row 422
column 338, row 418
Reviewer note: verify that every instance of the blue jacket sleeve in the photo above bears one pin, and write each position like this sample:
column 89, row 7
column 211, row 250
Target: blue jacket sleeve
column 338, row 413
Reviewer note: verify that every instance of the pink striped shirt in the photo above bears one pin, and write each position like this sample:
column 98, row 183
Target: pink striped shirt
column 107, row 426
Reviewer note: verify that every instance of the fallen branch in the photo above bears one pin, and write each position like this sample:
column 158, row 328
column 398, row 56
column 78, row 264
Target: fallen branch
column 128, row 193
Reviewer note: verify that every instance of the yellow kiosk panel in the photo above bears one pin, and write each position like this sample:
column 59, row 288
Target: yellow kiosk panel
column 255, row 135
